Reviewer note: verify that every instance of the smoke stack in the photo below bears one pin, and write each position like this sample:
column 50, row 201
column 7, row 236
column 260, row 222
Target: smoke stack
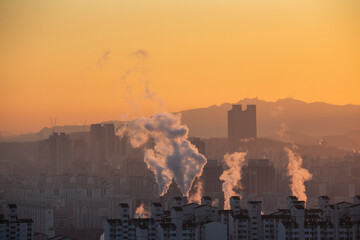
column 198, row 192
column 172, row 155
column 232, row 176
column 298, row 175
column 141, row 212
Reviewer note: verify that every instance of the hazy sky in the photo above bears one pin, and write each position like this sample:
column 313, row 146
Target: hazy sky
column 113, row 59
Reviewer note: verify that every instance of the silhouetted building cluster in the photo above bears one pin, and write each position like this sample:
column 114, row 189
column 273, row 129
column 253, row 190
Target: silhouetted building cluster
column 72, row 183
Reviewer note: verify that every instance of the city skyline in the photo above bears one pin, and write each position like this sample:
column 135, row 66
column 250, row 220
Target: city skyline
column 58, row 121
column 179, row 120
column 88, row 184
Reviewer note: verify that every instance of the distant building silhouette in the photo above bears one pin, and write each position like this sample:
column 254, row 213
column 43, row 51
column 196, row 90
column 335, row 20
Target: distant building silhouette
column 259, row 177
column 60, row 154
column 211, row 173
column 102, row 142
column 80, row 150
column 241, row 125
column 109, row 137
column 199, row 144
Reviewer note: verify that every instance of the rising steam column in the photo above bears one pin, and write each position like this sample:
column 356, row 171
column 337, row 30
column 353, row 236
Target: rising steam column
column 241, row 125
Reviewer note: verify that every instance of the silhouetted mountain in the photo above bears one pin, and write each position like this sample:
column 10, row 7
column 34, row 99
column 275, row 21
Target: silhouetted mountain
column 285, row 120
column 44, row 133
column 301, row 122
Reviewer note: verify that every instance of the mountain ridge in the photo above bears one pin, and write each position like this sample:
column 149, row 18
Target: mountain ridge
column 305, row 122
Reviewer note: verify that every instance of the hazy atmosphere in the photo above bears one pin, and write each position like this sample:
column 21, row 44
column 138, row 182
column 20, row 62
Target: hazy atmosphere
column 179, row 120
column 91, row 61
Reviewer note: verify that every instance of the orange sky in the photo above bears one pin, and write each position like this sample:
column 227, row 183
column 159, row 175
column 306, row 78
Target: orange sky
column 93, row 60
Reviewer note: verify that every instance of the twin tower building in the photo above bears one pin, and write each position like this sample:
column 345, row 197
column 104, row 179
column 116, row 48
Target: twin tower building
column 241, row 125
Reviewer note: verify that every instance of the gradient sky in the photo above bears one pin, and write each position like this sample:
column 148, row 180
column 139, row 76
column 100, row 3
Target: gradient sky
column 115, row 59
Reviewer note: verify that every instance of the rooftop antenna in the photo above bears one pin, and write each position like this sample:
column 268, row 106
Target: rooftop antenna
column 53, row 124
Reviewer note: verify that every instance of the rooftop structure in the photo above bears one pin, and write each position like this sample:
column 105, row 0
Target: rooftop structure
column 198, row 222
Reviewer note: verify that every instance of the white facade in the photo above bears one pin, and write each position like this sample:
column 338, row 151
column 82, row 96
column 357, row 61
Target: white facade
column 11, row 227
column 43, row 218
column 204, row 222
column 215, row 231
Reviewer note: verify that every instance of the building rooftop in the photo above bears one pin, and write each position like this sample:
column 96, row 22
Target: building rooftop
column 235, row 197
column 205, row 205
column 12, row 206
column 355, row 205
column 293, row 198
column 191, row 204
column 343, row 202
column 299, row 207
column 206, row 198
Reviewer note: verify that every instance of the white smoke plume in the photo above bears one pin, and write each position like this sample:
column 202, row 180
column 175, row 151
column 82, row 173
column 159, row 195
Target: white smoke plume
column 199, row 191
column 232, row 176
column 215, row 202
column 298, row 175
column 103, row 59
column 141, row 212
column 172, row 156
column 137, row 92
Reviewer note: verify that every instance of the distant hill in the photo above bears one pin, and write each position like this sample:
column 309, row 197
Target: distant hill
column 302, row 122
column 44, row 133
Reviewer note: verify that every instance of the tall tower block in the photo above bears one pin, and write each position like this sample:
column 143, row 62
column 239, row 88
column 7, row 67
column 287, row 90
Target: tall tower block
column 241, row 125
